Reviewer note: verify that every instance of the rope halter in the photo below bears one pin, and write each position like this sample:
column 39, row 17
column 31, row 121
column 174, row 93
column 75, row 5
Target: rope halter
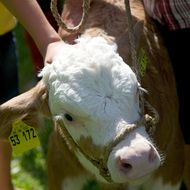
column 61, row 23
column 101, row 163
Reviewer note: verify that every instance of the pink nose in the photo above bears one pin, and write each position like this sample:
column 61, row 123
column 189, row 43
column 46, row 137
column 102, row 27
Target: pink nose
column 135, row 163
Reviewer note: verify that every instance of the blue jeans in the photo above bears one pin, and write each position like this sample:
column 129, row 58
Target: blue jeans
column 8, row 67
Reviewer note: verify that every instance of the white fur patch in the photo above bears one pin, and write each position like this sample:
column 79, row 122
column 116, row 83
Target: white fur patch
column 155, row 184
column 90, row 167
column 74, row 183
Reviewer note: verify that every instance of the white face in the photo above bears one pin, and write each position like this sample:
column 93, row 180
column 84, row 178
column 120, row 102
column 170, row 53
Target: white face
column 96, row 94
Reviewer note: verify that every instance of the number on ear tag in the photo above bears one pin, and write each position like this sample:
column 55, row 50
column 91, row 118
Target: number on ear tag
column 22, row 138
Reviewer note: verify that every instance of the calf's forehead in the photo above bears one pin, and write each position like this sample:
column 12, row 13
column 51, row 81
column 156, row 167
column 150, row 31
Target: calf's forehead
column 90, row 76
column 91, row 89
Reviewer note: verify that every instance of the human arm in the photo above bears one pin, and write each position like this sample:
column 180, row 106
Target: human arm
column 34, row 21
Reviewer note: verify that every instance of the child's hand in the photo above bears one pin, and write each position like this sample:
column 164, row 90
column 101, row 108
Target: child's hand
column 52, row 50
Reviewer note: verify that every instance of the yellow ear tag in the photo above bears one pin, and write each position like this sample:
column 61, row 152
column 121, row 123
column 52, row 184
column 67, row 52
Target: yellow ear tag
column 22, row 138
column 143, row 61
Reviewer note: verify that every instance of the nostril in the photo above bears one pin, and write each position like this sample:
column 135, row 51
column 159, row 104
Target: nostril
column 127, row 166
column 124, row 165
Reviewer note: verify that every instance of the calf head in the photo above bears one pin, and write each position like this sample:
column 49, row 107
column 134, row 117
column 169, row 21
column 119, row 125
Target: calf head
column 94, row 97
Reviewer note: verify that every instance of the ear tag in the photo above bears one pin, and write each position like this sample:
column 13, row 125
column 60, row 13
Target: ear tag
column 22, row 138
column 143, row 61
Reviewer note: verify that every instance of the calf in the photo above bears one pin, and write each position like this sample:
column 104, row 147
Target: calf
column 93, row 97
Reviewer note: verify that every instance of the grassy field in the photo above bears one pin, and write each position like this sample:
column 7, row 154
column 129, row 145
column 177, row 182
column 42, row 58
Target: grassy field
column 29, row 171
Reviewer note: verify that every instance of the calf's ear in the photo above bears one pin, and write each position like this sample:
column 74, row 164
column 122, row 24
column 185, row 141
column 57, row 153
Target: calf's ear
column 26, row 106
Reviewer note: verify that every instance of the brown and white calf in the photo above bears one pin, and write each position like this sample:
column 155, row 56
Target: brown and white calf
column 93, row 97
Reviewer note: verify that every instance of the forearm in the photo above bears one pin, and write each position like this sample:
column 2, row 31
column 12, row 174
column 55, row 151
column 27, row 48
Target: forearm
column 34, row 21
column 5, row 161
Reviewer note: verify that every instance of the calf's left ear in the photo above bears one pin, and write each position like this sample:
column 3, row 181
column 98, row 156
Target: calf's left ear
column 26, row 106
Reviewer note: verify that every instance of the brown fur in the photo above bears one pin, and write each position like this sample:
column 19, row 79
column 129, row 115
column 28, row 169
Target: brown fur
column 26, row 106
column 108, row 18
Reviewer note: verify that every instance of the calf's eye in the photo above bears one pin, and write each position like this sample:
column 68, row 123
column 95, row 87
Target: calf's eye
column 68, row 117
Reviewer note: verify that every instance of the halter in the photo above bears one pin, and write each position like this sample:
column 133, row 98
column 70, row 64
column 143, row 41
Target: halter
column 101, row 163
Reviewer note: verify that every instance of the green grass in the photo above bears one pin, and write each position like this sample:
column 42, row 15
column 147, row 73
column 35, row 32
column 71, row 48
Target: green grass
column 28, row 170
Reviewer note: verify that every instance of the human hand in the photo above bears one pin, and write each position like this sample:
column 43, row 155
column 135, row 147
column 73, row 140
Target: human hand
column 52, row 50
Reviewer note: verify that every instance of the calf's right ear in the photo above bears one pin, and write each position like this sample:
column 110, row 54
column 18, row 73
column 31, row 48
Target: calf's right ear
column 26, row 106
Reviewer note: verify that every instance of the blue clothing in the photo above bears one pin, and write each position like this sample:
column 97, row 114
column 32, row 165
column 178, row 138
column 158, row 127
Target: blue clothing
column 8, row 67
